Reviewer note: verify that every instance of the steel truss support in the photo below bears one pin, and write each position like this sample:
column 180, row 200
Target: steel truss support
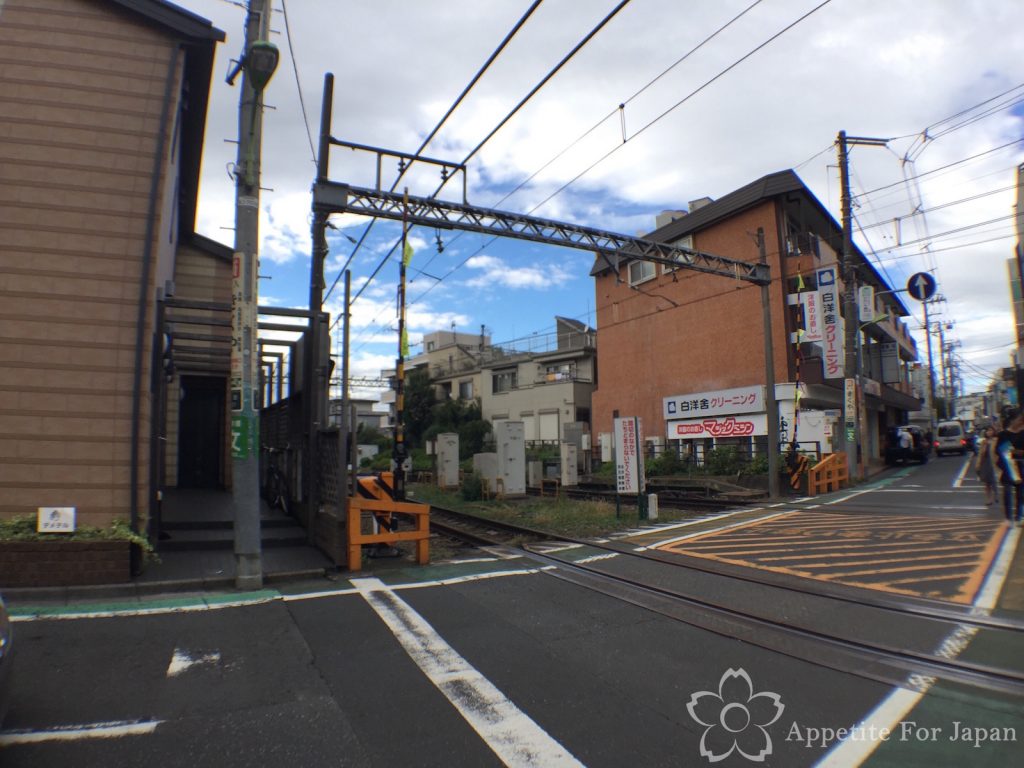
column 332, row 197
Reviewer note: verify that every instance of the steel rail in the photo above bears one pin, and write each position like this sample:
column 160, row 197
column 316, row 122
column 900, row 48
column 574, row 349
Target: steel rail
column 929, row 609
column 757, row 629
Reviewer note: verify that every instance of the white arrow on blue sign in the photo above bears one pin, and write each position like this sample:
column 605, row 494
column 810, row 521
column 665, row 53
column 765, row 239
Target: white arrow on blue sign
column 921, row 286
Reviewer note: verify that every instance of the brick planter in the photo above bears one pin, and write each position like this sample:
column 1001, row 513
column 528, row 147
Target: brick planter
column 64, row 563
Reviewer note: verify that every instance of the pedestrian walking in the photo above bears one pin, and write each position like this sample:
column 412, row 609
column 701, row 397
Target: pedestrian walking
column 985, row 463
column 1009, row 449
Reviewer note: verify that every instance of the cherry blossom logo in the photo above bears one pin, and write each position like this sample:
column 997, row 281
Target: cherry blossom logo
column 735, row 719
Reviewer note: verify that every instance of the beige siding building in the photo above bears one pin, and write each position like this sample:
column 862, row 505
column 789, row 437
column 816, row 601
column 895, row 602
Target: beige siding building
column 102, row 112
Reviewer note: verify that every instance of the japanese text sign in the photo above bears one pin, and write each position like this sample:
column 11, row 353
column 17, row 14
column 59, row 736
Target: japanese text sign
column 717, row 403
column 629, row 457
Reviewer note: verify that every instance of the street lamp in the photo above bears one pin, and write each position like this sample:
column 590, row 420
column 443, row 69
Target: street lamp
column 260, row 63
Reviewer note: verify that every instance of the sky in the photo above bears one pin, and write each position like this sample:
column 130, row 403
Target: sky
column 716, row 94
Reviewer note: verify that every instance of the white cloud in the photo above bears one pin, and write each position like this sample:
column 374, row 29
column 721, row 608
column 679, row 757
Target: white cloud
column 872, row 69
column 496, row 273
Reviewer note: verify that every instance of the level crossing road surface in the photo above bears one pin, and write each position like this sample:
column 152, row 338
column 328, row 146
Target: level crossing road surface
column 921, row 531
column 496, row 659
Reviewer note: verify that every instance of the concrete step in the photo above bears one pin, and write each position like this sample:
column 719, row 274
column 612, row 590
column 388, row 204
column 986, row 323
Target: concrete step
column 266, row 521
column 180, row 540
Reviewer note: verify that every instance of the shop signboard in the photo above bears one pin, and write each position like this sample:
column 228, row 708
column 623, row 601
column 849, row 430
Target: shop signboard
column 748, row 425
column 721, row 402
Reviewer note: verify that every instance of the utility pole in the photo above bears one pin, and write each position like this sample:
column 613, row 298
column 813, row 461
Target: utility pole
column 945, row 369
column 770, row 403
column 931, row 367
column 851, row 436
column 259, row 59
column 314, row 365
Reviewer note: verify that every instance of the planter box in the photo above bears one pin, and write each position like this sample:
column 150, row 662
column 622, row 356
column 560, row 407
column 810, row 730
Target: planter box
column 64, row 563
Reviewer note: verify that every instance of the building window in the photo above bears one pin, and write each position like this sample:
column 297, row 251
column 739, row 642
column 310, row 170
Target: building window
column 683, row 242
column 558, row 372
column 430, row 346
column 466, row 390
column 504, row 381
column 641, row 271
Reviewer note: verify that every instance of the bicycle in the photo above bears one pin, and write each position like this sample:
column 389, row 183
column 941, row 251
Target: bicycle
column 276, row 490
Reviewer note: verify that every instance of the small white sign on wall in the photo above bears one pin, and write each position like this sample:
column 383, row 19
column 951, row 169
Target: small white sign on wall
column 56, row 520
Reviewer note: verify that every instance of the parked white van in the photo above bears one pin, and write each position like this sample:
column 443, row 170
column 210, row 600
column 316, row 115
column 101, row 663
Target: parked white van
column 950, row 438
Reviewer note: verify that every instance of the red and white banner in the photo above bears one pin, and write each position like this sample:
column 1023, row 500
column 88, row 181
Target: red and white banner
column 726, row 426
column 813, row 330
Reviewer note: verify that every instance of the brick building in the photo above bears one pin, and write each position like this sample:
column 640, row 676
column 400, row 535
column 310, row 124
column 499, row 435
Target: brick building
column 667, row 335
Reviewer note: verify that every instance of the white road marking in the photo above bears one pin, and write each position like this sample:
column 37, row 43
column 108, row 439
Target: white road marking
column 163, row 610
column 595, row 558
column 674, row 526
column 665, row 543
column 918, row 490
column 963, row 471
column 156, row 611
column 181, row 660
column 108, row 730
column 508, row 731
column 900, row 701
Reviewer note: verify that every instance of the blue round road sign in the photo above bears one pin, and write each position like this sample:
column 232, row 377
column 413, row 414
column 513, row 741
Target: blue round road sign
column 921, row 286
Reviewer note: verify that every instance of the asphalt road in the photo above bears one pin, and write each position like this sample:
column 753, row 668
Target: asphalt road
column 521, row 669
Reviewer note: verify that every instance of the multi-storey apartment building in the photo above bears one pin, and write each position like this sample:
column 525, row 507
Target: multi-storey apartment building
column 671, row 337
column 544, row 381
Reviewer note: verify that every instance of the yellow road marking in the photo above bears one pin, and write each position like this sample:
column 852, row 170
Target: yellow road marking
column 820, row 545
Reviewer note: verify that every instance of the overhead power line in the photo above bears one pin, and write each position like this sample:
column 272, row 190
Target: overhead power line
column 533, row 92
column 940, row 168
column 455, row 104
column 644, row 128
column 561, row 153
column 298, row 82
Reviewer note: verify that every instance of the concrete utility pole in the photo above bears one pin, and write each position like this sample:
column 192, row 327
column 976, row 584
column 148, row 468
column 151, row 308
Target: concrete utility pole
column 770, row 403
column 259, row 59
column 851, row 437
column 932, row 410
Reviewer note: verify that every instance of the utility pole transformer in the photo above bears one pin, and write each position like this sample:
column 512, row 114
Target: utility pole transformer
column 258, row 62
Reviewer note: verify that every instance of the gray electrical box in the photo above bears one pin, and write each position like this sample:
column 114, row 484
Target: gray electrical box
column 448, row 460
column 570, row 472
column 512, row 457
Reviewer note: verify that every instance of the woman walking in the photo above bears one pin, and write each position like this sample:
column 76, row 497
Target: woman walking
column 985, row 463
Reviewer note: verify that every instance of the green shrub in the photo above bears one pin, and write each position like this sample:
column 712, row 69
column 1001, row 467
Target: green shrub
column 759, row 465
column 472, row 487
column 667, row 463
column 724, row 461
column 23, row 528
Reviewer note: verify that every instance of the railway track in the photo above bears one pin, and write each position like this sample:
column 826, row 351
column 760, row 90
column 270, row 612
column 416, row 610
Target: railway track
column 668, row 497
column 933, row 634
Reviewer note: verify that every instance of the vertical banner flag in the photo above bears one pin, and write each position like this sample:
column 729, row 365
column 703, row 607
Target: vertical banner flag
column 831, row 323
column 406, row 254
